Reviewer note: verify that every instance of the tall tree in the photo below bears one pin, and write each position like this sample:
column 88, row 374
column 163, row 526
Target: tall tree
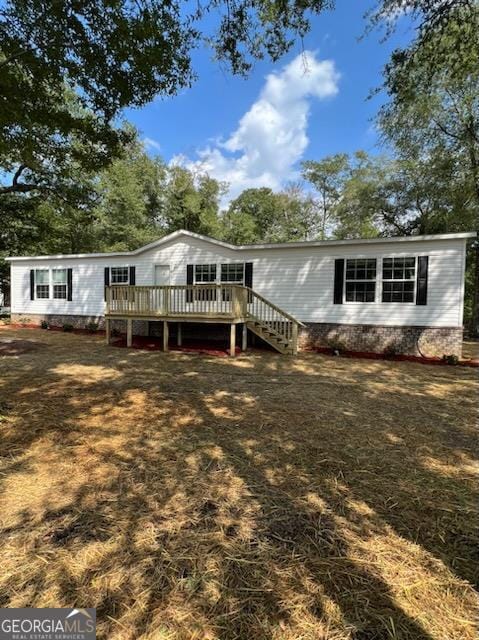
column 434, row 105
column 327, row 177
column 191, row 201
column 261, row 215
column 130, row 196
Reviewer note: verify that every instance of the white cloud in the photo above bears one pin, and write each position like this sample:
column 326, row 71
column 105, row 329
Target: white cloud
column 272, row 136
column 151, row 144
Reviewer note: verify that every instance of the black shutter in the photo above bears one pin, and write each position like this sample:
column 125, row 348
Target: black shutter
column 248, row 279
column 132, row 275
column 421, row 285
column 32, row 284
column 107, row 278
column 189, row 280
column 338, row 280
column 69, row 284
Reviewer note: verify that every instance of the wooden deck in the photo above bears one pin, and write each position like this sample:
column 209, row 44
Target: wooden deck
column 228, row 304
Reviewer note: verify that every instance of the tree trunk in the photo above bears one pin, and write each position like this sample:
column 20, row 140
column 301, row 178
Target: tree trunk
column 475, row 299
column 475, row 175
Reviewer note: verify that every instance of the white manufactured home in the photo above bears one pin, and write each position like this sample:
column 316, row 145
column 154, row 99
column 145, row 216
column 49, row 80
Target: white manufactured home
column 402, row 295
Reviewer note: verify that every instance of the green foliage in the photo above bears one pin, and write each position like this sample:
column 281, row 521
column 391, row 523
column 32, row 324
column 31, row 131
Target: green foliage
column 67, row 327
column 92, row 327
column 68, row 69
column 123, row 53
column 190, row 201
column 129, row 204
column 432, row 121
column 451, row 359
column 260, row 215
column 327, row 177
column 44, row 324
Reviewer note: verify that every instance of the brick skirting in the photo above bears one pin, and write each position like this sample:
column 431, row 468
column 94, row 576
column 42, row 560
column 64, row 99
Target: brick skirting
column 408, row 340
column 140, row 327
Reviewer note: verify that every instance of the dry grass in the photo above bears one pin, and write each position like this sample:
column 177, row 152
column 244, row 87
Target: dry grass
column 258, row 498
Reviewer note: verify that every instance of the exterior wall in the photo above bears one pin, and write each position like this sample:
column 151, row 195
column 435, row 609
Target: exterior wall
column 299, row 280
column 408, row 340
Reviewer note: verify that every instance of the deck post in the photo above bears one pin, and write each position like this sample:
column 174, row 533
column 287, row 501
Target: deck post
column 233, row 340
column 244, row 344
column 129, row 332
column 295, row 339
column 179, row 337
column 107, row 330
column 165, row 335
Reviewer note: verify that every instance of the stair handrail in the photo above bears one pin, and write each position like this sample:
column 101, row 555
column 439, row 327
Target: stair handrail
column 275, row 307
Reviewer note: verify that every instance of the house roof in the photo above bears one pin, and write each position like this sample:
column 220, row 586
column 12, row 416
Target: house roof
column 251, row 247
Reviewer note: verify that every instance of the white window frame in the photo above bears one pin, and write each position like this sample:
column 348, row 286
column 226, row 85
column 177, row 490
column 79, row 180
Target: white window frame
column 59, row 284
column 243, row 264
column 120, row 284
column 42, row 284
column 413, row 280
column 374, row 281
column 205, row 264
column 218, row 280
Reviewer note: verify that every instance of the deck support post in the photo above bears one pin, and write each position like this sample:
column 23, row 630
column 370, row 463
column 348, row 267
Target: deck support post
column 233, row 340
column 244, row 343
column 295, row 339
column 129, row 332
column 179, row 337
column 166, row 335
column 107, row 330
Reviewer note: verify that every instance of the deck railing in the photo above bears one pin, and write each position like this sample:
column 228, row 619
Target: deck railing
column 225, row 301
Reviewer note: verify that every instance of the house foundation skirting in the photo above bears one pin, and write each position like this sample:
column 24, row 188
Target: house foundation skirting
column 407, row 340
column 140, row 327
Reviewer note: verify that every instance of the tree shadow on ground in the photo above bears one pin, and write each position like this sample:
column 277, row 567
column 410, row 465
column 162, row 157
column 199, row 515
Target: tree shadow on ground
column 266, row 498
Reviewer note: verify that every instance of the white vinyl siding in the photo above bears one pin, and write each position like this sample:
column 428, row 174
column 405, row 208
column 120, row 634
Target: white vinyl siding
column 299, row 280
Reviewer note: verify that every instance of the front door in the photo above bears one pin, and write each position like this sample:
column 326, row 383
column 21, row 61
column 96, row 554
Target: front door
column 162, row 274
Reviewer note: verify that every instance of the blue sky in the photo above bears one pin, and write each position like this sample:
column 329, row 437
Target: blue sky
column 255, row 131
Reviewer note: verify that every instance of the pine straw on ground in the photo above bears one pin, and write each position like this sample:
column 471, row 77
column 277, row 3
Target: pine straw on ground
column 263, row 497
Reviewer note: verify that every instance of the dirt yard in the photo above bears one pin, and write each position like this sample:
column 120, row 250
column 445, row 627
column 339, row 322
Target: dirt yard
column 262, row 497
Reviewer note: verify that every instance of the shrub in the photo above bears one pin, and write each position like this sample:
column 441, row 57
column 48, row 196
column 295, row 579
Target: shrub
column 450, row 359
column 44, row 324
column 337, row 346
column 92, row 327
column 24, row 320
column 67, row 327
column 390, row 351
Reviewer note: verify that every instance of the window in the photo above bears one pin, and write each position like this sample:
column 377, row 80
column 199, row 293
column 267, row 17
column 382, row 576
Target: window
column 59, row 280
column 42, row 283
column 399, row 275
column 205, row 273
column 119, row 275
column 360, row 280
column 233, row 273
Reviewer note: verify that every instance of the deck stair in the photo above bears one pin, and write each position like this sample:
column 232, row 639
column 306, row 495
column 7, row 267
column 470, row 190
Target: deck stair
column 273, row 325
column 274, row 338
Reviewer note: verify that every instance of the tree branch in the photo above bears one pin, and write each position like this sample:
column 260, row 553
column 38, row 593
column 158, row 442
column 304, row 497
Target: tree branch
column 18, row 173
column 21, row 188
